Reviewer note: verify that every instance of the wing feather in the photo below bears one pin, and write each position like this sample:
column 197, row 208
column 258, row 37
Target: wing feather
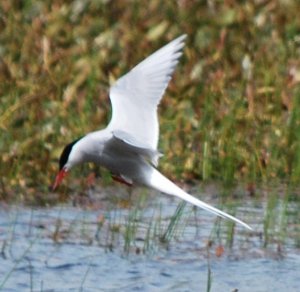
column 135, row 96
column 122, row 140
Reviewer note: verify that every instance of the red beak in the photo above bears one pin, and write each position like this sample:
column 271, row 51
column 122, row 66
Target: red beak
column 59, row 178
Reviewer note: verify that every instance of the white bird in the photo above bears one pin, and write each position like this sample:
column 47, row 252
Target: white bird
column 127, row 147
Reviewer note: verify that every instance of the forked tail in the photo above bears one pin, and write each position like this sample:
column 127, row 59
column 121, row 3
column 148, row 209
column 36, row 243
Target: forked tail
column 163, row 184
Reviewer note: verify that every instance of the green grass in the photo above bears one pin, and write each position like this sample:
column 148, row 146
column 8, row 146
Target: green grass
column 231, row 113
column 209, row 274
column 16, row 263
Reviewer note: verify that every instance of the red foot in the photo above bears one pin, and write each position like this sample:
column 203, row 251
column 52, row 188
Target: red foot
column 121, row 180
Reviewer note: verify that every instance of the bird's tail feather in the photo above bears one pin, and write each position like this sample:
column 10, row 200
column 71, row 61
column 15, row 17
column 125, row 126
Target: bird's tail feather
column 163, row 184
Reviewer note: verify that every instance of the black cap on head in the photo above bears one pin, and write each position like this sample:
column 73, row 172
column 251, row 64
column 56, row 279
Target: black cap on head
column 65, row 154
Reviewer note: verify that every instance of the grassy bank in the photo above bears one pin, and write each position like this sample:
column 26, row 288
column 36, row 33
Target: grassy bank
column 231, row 112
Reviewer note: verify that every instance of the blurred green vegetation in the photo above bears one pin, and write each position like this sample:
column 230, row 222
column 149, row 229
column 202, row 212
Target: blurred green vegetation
column 231, row 112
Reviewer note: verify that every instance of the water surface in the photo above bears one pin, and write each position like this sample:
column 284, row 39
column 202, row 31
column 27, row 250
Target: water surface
column 117, row 247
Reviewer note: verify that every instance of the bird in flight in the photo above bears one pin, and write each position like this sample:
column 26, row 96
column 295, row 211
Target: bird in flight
column 127, row 147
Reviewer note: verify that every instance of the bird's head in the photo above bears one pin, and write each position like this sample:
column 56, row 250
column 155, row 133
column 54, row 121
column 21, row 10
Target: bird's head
column 67, row 160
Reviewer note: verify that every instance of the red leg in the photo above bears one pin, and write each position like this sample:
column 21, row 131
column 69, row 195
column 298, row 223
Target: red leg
column 121, row 180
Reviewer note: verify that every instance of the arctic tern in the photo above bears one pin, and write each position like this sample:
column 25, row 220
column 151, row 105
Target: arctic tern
column 127, row 147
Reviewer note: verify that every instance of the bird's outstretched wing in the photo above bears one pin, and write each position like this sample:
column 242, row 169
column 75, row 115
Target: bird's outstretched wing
column 135, row 96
